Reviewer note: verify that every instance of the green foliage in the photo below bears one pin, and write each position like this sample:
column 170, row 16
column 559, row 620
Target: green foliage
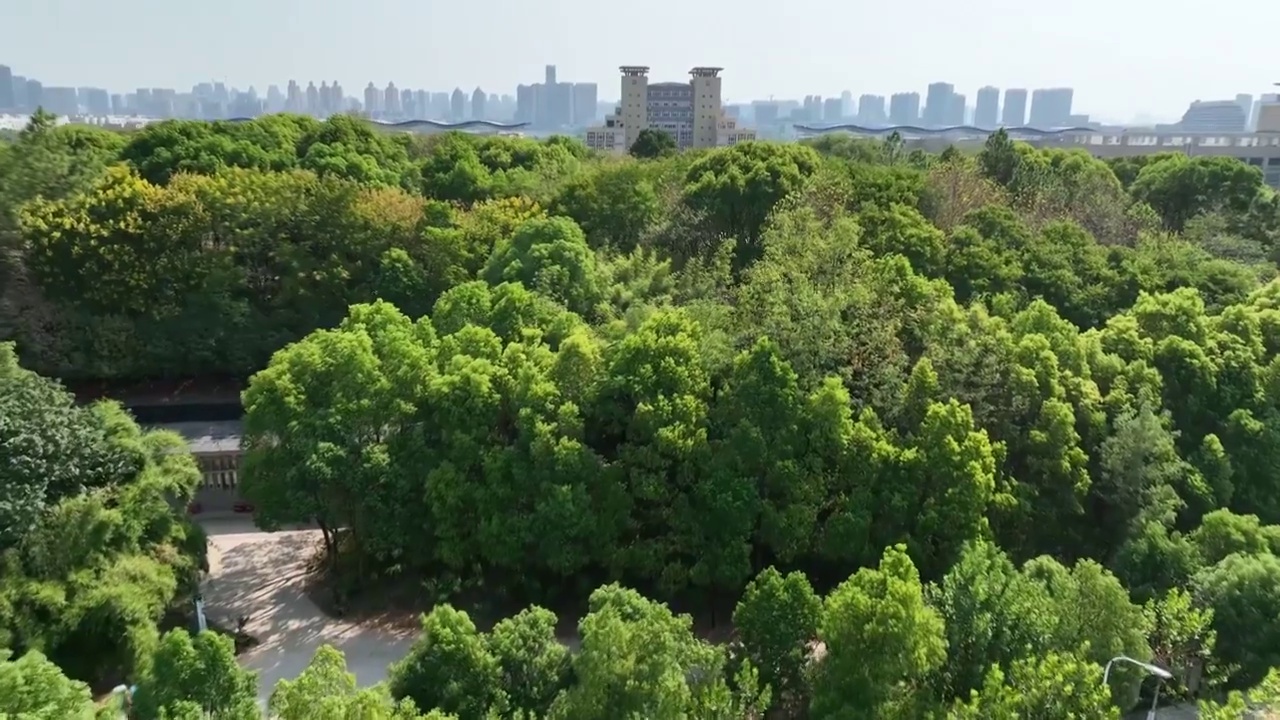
column 651, row 143
column 1049, row 687
column 96, row 553
column 1179, row 187
column 326, row 691
column 637, row 660
column 994, row 615
column 881, row 614
column 516, row 364
column 199, row 671
column 549, row 256
column 735, row 189
column 533, row 665
column 449, row 667
column 777, row 620
column 33, row 687
column 1241, row 592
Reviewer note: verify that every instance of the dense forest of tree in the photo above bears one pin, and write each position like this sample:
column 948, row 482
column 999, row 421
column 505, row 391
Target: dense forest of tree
column 940, row 434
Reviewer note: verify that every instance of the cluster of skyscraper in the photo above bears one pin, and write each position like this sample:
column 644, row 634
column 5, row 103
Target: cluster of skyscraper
column 558, row 106
column 549, row 105
column 942, row 107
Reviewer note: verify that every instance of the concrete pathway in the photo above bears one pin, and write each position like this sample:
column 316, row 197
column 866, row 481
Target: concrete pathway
column 262, row 575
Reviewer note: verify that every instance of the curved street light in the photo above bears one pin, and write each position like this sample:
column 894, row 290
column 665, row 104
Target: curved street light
column 1151, row 669
column 1155, row 670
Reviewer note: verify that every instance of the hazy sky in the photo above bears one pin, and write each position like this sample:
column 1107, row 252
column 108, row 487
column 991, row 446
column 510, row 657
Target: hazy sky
column 1122, row 56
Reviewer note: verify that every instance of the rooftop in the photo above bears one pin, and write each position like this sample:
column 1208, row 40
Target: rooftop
column 208, row 437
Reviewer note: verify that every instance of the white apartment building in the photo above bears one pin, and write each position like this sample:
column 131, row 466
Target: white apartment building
column 691, row 112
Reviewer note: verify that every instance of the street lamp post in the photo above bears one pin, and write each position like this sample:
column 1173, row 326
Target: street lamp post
column 1156, row 670
column 1151, row 669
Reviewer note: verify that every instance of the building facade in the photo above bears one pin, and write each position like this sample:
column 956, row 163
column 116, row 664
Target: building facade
column 1015, row 108
column 937, row 104
column 1215, row 116
column 216, row 447
column 1051, row 108
column 692, row 113
column 1260, row 149
column 904, row 108
column 986, row 114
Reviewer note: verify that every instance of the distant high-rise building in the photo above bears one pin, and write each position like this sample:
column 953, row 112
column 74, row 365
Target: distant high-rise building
column 584, row 104
column 142, row 102
column 986, row 114
column 937, row 104
column 767, row 112
column 846, row 104
column 440, row 106
column 421, row 104
column 955, row 111
column 904, row 108
column 1268, row 119
column 478, row 105
column 372, row 100
column 35, row 94
column 275, row 99
column 338, row 98
column 294, row 102
column 1015, row 108
column 391, row 101
column 811, row 110
column 1216, row 116
column 1264, row 99
column 871, row 110
column 832, row 110
column 7, row 101
column 118, row 106
column 1245, row 101
column 458, row 105
column 1050, row 107
column 526, row 103
column 559, row 105
column 550, row 75
column 61, row 100
column 95, row 102
column 164, row 104
column 20, row 93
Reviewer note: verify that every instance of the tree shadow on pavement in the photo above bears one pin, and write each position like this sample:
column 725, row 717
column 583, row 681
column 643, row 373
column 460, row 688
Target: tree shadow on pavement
column 263, row 576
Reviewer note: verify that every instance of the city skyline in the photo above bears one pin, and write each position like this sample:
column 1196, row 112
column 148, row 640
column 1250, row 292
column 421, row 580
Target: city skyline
column 557, row 104
column 772, row 51
column 970, row 99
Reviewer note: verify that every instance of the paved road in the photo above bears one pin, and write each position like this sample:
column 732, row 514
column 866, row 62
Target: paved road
column 261, row 575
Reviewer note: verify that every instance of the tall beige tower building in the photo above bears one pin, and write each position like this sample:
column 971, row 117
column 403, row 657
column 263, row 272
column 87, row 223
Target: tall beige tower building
column 633, row 108
column 706, row 105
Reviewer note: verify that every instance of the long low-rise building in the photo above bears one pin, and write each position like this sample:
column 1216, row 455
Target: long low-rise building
column 1260, row 149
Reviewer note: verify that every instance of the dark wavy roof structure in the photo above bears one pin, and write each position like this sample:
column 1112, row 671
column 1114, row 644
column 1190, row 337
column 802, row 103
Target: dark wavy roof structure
column 434, row 124
column 916, row 130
